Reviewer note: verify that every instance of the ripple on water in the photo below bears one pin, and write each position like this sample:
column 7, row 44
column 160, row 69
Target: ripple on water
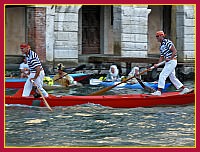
column 95, row 125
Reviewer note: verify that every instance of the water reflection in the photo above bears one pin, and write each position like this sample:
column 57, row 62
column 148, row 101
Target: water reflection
column 99, row 126
column 95, row 125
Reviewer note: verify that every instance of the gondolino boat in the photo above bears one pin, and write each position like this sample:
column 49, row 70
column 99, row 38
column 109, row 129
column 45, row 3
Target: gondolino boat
column 115, row 101
column 127, row 85
column 19, row 82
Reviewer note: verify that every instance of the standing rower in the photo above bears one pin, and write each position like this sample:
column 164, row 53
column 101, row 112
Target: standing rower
column 36, row 71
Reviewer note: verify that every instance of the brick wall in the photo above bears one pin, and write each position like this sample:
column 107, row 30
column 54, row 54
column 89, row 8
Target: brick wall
column 36, row 30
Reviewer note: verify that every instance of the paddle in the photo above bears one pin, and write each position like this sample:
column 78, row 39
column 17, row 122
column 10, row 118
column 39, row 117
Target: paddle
column 110, row 87
column 61, row 77
column 46, row 103
column 149, row 89
column 80, row 67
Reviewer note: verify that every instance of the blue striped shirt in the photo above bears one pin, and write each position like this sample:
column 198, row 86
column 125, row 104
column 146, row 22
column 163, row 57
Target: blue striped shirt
column 33, row 61
column 165, row 48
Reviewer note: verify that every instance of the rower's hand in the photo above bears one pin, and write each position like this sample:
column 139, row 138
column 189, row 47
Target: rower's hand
column 32, row 80
column 155, row 65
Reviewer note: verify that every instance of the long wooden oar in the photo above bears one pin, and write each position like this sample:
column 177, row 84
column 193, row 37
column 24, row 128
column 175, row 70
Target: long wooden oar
column 76, row 69
column 45, row 102
column 61, row 77
column 147, row 88
column 100, row 92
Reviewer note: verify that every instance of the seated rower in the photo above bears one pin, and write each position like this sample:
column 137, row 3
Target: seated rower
column 134, row 72
column 113, row 74
column 62, row 77
column 24, row 68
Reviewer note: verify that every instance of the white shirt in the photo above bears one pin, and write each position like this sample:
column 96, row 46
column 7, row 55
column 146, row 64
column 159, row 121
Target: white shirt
column 24, row 66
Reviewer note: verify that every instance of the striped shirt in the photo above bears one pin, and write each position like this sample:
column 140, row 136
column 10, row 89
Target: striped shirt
column 165, row 47
column 33, row 61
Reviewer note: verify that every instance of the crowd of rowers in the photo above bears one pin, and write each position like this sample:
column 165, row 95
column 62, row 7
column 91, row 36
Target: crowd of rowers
column 168, row 55
column 62, row 78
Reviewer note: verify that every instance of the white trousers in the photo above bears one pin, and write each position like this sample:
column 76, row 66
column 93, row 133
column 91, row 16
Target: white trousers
column 169, row 71
column 39, row 82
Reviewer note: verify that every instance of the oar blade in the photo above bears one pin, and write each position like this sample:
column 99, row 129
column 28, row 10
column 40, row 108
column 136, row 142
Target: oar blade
column 47, row 105
column 102, row 91
column 45, row 102
column 147, row 88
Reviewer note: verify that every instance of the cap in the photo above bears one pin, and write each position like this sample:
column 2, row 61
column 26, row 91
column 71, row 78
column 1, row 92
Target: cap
column 60, row 66
column 24, row 45
column 160, row 33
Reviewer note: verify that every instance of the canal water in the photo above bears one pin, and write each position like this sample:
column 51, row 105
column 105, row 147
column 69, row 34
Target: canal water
column 91, row 125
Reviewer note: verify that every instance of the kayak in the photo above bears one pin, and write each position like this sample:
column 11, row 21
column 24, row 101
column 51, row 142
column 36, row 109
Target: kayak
column 19, row 82
column 115, row 101
column 153, row 85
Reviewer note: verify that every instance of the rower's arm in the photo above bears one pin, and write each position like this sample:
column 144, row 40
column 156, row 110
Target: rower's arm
column 36, row 74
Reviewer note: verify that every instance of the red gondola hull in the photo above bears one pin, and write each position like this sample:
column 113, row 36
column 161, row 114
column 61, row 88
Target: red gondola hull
column 115, row 101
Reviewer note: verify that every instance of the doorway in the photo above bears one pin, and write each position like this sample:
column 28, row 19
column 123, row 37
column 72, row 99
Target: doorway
column 158, row 19
column 90, row 29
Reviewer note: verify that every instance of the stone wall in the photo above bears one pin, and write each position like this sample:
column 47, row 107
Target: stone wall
column 185, row 18
column 134, row 21
column 130, row 32
column 62, row 34
column 117, row 30
column 50, row 15
column 66, row 33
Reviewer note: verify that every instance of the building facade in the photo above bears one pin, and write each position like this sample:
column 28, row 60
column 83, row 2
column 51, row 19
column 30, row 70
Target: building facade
column 64, row 33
